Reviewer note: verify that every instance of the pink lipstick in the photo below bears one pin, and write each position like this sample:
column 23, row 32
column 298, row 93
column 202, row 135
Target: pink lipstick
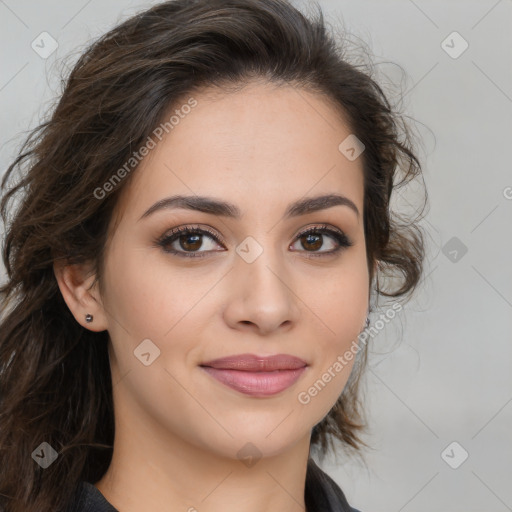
column 258, row 376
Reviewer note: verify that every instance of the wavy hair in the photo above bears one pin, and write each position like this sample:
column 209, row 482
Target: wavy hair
column 55, row 380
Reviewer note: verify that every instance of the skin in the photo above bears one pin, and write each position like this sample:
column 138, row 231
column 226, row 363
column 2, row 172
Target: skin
column 178, row 430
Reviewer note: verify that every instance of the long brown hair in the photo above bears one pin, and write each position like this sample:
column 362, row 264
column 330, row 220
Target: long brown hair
column 55, row 381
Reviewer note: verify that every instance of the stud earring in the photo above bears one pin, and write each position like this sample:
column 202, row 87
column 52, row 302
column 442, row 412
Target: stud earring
column 88, row 318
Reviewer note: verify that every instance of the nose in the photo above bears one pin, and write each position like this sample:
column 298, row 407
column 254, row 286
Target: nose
column 261, row 296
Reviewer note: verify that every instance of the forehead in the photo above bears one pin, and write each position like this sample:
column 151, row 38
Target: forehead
column 259, row 147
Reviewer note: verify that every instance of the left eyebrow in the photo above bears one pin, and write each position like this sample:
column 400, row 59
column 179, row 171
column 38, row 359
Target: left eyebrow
column 225, row 209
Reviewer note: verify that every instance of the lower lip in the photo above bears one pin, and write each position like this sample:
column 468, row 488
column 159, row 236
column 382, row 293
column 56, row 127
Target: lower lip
column 256, row 383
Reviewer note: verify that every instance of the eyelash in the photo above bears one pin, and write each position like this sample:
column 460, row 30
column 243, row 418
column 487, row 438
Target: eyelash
column 340, row 237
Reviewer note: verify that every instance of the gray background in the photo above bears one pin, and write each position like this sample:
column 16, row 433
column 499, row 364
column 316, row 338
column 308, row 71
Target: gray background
column 441, row 372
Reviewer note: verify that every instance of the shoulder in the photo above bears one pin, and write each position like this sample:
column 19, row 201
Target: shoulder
column 88, row 498
column 323, row 493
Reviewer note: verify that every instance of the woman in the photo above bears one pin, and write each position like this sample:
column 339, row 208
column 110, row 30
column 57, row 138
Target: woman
column 202, row 225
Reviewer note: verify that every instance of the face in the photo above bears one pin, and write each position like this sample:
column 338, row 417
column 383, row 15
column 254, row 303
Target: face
column 246, row 283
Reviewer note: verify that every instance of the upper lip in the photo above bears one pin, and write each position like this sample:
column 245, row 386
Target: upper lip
column 255, row 363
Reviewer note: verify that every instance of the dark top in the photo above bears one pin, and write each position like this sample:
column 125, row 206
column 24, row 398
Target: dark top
column 322, row 494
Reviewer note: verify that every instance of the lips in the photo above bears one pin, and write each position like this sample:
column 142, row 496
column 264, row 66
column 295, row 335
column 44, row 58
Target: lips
column 254, row 363
column 257, row 376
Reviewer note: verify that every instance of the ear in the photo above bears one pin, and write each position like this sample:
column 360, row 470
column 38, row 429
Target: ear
column 76, row 285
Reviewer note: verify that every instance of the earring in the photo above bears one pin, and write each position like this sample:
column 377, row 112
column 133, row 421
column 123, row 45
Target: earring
column 367, row 322
column 88, row 318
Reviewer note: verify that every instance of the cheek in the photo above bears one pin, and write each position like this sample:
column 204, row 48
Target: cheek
column 145, row 298
column 340, row 301
column 340, row 306
column 342, row 311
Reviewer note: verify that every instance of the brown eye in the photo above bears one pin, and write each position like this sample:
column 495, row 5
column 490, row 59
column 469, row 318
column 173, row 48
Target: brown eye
column 313, row 239
column 187, row 241
column 190, row 242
